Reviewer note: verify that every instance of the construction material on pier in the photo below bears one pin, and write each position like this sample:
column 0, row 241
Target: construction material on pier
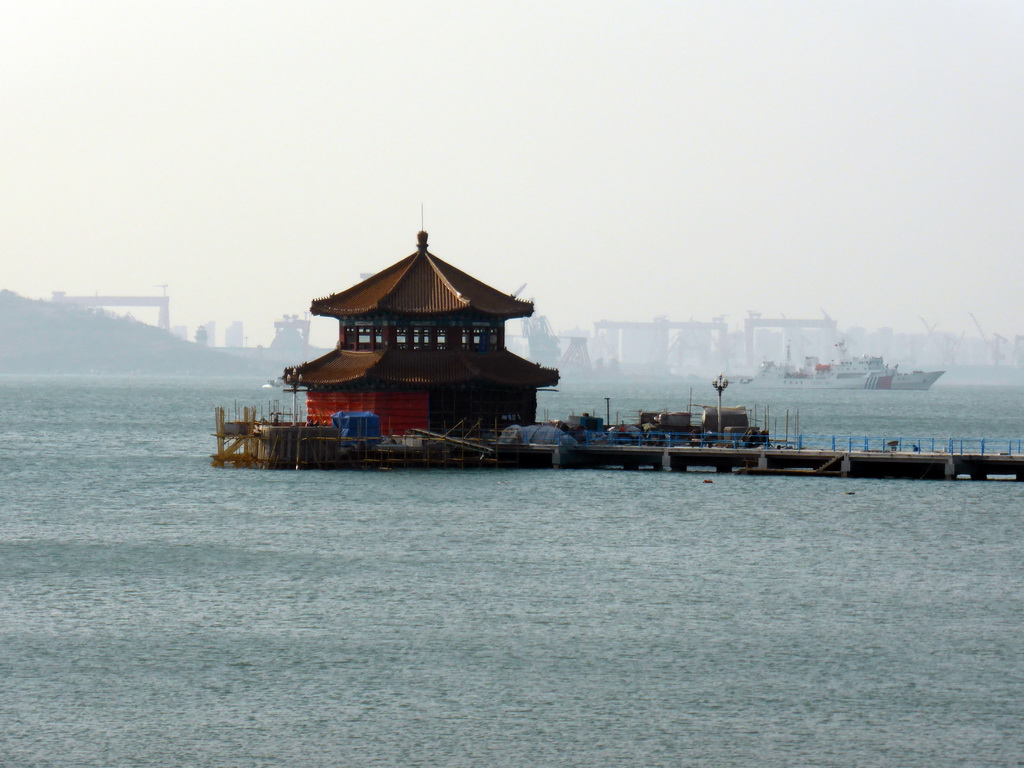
column 274, row 443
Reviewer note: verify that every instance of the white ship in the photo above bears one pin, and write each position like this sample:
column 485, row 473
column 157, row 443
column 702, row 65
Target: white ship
column 865, row 372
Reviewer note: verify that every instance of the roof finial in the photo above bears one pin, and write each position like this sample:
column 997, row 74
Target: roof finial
column 421, row 239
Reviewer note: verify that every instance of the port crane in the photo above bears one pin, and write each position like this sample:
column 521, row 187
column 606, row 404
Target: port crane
column 542, row 342
column 162, row 303
column 997, row 355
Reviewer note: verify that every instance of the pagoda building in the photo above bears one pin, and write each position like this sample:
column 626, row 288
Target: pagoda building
column 422, row 345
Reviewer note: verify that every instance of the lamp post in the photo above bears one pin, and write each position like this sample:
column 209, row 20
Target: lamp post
column 720, row 384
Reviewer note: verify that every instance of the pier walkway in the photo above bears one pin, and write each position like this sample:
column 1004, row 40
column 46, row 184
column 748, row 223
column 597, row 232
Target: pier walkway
column 811, row 455
column 790, row 460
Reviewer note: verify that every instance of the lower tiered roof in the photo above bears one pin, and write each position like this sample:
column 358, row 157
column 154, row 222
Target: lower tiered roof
column 419, row 368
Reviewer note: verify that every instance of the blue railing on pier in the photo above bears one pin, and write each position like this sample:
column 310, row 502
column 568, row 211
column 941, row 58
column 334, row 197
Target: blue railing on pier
column 975, row 446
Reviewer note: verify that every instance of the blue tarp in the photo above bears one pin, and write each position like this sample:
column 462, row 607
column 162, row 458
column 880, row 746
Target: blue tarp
column 535, row 434
column 362, row 425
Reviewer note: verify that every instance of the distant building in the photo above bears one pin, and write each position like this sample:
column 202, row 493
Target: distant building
column 291, row 336
column 234, row 335
column 422, row 345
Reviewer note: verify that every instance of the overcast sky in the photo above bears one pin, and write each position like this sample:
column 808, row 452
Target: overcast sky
column 624, row 160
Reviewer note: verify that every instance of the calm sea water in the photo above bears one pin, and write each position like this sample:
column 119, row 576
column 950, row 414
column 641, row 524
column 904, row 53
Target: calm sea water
column 156, row 611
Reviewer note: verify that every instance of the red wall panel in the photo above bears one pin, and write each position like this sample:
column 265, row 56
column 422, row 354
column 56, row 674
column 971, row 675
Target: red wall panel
column 398, row 411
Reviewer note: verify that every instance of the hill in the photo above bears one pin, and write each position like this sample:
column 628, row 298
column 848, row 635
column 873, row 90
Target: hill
column 45, row 338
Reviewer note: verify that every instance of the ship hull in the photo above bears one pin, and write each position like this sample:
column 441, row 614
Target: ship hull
column 795, row 382
column 918, row 380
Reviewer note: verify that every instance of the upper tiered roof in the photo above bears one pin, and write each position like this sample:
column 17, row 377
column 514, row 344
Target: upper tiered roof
column 421, row 285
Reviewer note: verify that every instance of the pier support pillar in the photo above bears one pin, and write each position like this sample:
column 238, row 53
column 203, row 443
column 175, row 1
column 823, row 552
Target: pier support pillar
column 845, row 465
column 762, row 461
column 950, row 469
column 666, row 460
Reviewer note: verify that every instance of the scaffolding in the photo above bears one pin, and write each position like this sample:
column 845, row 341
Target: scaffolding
column 250, row 440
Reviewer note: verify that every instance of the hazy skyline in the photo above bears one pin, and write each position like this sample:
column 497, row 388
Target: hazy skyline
column 679, row 159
